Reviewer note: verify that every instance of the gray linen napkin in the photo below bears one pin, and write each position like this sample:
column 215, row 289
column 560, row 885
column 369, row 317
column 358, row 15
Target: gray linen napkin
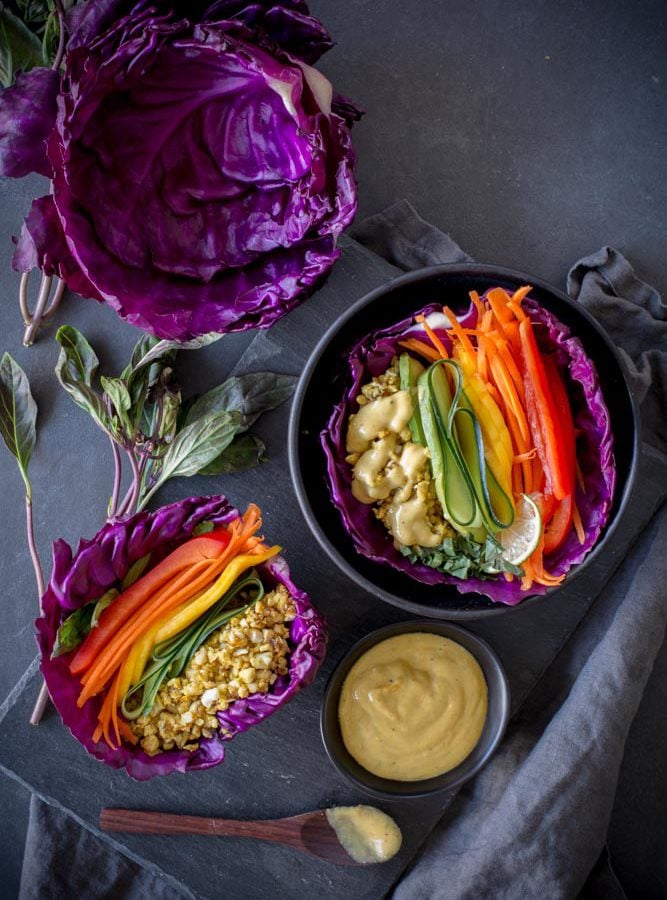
column 534, row 822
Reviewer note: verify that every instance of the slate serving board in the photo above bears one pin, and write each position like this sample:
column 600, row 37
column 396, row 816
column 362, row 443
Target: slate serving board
column 280, row 768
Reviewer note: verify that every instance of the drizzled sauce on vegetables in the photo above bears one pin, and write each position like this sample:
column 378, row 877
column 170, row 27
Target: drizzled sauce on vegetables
column 390, row 465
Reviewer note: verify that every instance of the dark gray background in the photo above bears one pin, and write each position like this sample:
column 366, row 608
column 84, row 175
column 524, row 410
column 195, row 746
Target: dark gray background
column 533, row 132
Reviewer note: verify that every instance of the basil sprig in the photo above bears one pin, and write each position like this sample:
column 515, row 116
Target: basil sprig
column 143, row 413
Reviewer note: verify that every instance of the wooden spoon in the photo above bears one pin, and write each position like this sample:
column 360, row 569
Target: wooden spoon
column 308, row 832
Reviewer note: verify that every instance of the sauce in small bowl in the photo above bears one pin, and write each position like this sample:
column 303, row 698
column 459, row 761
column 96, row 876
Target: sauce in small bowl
column 415, row 708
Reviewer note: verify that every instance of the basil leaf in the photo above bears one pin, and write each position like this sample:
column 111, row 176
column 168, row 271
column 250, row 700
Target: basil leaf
column 202, row 528
column 171, row 402
column 101, row 604
column 20, row 49
column 34, row 13
column 118, row 394
column 75, row 369
column 145, row 343
column 18, row 415
column 170, row 348
column 250, row 395
column 245, row 452
column 50, row 39
column 135, row 572
column 196, row 446
column 72, row 631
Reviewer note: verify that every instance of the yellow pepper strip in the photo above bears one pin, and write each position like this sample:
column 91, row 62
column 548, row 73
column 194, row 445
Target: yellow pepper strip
column 183, row 618
column 133, row 667
column 497, row 440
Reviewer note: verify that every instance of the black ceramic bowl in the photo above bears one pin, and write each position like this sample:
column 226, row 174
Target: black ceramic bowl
column 494, row 727
column 322, row 384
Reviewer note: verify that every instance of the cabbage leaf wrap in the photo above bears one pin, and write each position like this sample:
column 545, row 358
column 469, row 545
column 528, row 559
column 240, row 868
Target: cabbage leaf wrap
column 102, row 562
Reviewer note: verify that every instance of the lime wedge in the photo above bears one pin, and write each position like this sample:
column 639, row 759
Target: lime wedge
column 520, row 540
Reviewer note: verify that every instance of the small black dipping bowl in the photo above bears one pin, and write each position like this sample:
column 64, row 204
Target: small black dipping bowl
column 494, row 726
column 322, row 385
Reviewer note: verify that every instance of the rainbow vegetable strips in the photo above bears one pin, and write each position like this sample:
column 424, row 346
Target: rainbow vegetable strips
column 491, row 349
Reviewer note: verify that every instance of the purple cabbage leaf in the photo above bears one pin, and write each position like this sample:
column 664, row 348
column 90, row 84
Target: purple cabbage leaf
column 202, row 169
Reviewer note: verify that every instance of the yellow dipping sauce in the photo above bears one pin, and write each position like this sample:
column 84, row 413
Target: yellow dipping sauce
column 413, row 706
column 368, row 834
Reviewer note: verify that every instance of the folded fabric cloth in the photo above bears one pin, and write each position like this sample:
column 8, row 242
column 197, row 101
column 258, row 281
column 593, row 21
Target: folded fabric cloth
column 534, row 822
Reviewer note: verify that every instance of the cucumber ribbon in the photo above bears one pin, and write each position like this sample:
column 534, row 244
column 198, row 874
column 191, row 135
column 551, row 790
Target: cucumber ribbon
column 461, row 438
column 170, row 658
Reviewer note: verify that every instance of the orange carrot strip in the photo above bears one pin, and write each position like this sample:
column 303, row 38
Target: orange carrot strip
column 506, row 386
column 517, row 310
column 478, row 304
column 98, row 675
column 185, row 580
column 435, row 340
column 114, row 707
column 421, row 348
column 126, row 731
column 510, row 364
column 491, row 388
column 482, row 367
column 580, row 477
column 578, row 524
column 456, row 328
column 115, row 652
column 521, row 293
column 524, row 457
column 114, row 616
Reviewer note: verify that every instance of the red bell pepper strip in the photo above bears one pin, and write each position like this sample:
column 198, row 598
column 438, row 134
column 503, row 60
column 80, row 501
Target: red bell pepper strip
column 563, row 413
column 543, row 416
column 189, row 554
column 559, row 526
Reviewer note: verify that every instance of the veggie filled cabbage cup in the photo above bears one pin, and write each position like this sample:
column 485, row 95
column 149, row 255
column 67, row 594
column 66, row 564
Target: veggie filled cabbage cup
column 170, row 632
column 473, row 449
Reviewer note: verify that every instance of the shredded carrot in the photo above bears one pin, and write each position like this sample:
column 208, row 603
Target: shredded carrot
column 509, row 576
column 506, row 386
column 482, row 367
column 421, row 348
column 435, row 340
column 126, row 731
column 177, row 586
column 114, row 707
column 521, row 293
column 524, row 457
column 477, row 303
column 578, row 524
column 510, row 364
column 516, row 309
column 580, row 476
column 456, row 328
column 495, row 394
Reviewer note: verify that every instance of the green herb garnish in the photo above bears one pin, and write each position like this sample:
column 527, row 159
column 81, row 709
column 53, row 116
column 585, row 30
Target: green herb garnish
column 464, row 558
